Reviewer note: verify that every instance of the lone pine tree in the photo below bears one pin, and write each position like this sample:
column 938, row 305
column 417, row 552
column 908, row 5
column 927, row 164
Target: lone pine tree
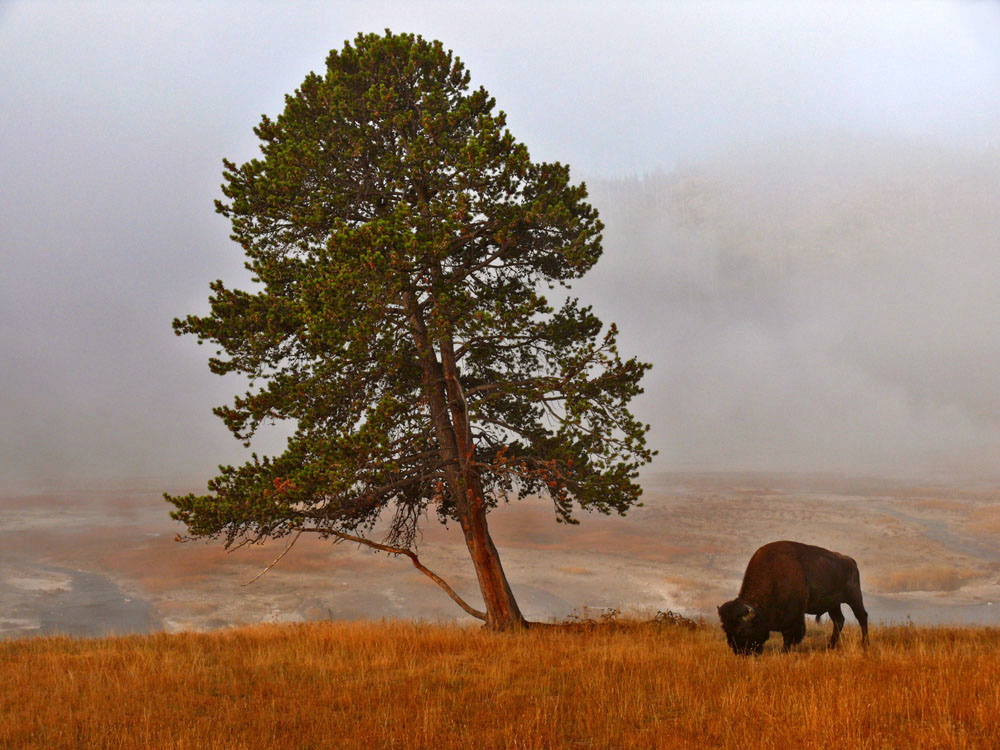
column 401, row 240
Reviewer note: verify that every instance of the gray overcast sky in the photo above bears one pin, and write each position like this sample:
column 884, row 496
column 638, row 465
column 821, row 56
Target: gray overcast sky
column 114, row 118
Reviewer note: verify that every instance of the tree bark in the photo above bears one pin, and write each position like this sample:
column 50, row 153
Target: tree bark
column 501, row 606
column 453, row 432
column 502, row 612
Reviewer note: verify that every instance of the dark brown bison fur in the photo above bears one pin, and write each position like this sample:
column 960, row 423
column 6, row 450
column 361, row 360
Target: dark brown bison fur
column 784, row 582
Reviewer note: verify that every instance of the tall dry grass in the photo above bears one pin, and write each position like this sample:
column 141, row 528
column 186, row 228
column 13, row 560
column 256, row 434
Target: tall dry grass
column 399, row 685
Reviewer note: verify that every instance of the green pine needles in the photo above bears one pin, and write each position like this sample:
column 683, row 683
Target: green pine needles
column 401, row 240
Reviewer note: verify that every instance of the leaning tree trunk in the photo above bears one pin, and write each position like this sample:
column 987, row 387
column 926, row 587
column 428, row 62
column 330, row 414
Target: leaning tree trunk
column 502, row 612
column 454, row 435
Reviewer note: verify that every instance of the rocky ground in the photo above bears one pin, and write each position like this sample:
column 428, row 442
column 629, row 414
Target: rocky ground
column 97, row 561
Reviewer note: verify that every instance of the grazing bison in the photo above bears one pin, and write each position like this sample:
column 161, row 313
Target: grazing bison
column 783, row 583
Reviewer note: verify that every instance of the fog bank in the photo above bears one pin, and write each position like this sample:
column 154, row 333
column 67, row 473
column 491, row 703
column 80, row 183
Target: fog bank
column 827, row 304
column 808, row 302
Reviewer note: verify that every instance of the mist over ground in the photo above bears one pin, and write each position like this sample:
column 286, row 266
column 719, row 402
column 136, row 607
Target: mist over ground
column 800, row 208
column 830, row 304
column 802, row 237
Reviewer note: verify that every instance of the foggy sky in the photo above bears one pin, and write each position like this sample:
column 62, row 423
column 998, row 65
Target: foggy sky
column 800, row 201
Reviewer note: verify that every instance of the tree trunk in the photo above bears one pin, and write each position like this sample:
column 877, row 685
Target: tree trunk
column 502, row 612
column 451, row 425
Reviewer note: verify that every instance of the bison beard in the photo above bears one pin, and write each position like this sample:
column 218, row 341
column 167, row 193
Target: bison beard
column 784, row 582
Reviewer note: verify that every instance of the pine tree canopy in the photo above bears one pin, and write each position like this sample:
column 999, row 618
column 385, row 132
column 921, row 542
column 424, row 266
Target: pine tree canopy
column 402, row 244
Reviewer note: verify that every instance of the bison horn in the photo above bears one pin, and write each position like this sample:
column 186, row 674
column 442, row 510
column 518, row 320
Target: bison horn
column 751, row 613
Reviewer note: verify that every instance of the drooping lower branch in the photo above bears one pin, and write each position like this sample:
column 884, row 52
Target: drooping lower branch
column 416, row 564
column 275, row 561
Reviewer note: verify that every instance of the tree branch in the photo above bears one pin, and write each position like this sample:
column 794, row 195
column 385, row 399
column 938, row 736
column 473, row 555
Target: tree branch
column 549, row 382
column 275, row 562
column 416, row 564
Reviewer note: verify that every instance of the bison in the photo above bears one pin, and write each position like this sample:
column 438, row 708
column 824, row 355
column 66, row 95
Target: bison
column 784, row 582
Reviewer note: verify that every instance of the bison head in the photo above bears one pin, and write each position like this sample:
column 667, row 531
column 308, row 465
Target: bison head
column 745, row 630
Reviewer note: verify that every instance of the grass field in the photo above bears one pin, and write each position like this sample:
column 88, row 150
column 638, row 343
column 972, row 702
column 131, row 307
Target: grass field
column 404, row 685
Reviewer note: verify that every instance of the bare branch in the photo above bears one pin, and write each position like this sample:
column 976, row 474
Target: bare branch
column 290, row 545
column 416, row 564
column 244, row 542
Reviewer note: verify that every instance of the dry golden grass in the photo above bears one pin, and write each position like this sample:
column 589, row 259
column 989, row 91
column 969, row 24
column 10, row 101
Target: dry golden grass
column 399, row 685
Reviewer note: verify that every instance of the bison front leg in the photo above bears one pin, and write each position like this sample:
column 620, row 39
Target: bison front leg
column 794, row 634
column 838, row 624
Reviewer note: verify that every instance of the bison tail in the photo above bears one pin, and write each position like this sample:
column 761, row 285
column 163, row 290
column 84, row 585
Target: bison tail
column 819, row 617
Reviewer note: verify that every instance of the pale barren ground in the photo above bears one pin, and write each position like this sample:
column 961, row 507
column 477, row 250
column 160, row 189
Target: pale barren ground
column 97, row 561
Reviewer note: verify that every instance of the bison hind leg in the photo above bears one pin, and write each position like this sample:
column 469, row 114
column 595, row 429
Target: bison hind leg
column 838, row 624
column 856, row 603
